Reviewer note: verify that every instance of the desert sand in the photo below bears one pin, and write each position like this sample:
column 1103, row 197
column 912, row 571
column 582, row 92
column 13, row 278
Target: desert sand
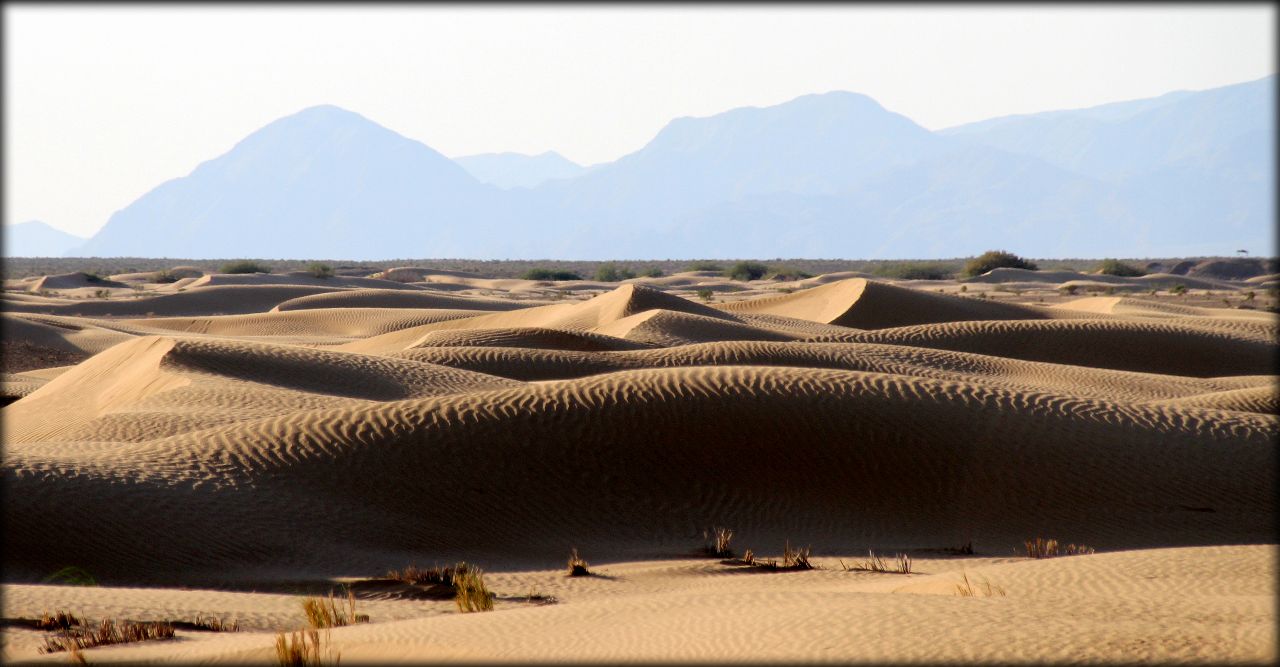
column 225, row 446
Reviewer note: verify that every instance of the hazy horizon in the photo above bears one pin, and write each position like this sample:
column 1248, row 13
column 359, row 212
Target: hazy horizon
column 590, row 83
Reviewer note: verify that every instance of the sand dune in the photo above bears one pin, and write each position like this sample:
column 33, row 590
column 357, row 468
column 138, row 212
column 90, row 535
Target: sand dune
column 380, row 298
column 280, row 438
column 869, row 304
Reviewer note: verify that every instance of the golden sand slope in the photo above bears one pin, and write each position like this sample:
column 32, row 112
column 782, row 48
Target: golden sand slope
column 868, row 304
column 1207, row 604
column 310, row 433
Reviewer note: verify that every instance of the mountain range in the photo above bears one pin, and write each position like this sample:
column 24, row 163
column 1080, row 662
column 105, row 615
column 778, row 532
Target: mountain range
column 825, row 175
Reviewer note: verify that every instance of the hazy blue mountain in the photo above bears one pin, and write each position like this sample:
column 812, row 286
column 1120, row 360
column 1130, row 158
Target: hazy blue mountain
column 37, row 239
column 813, row 144
column 515, row 170
column 324, row 182
column 1123, row 140
column 831, row 175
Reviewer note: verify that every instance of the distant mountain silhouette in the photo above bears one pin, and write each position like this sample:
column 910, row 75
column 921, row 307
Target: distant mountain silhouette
column 830, row 175
column 514, row 170
column 37, row 239
column 324, row 182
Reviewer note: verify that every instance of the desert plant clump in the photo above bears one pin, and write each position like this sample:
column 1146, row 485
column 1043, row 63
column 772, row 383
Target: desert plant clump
column 244, row 266
column 654, row 272
column 915, row 270
column 716, row 542
column 320, row 270
column 577, row 566
column 612, row 273
column 995, row 259
column 982, row 588
column 107, row 631
column 706, row 295
column 1178, row 290
column 322, row 614
column 550, row 274
column 746, row 271
column 704, row 265
column 788, row 273
column 214, row 624
column 1069, row 289
column 102, row 294
column 1115, row 267
column 304, row 649
column 164, row 276
column 901, row 564
column 472, row 594
column 795, row 559
column 425, row 576
column 1042, row 548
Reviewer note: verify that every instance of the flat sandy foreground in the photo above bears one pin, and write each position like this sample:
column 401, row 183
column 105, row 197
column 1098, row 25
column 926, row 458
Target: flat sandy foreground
column 226, row 445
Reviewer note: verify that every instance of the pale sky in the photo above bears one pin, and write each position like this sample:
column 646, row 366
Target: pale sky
column 102, row 104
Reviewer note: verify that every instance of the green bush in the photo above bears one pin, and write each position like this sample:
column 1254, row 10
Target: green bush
column 915, row 271
column 704, row 266
column 995, row 259
column 244, row 266
column 789, row 273
column 1178, row 289
column 320, row 270
column 655, row 272
column 612, row 273
column 746, row 271
column 705, row 294
column 550, row 274
column 1115, row 267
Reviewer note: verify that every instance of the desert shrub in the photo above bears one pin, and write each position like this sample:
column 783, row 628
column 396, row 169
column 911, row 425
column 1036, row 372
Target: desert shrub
column 423, row 576
column 214, row 624
column 303, row 649
column 323, row 613
column 550, row 274
column 106, row 632
column 654, row 272
column 1178, row 289
column 612, row 273
column 995, row 259
column 320, row 270
column 705, row 294
column 164, row 277
column 704, row 265
column 900, row 565
column 1042, row 548
column 915, row 271
column 102, row 293
column 746, row 271
column 795, row 559
column 472, row 594
column 1250, row 295
column 244, row 266
column 788, row 273
column 982, row 588
column 1115, row 267
column 716, row 542
column 577, row 566
column 1069, row 289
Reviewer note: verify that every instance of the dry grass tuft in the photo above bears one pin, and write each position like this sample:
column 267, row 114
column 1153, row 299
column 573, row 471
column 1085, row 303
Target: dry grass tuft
column 1042, row 548
column 213, row 624
column 795, row 559
column 424, row 576
column 303, row 649
column 717, row 542
column 322, row 614
column 577, row 566
column 108, row 631
column 60, row 620
column 472, row 594
column 982, row 588
column 901, row 564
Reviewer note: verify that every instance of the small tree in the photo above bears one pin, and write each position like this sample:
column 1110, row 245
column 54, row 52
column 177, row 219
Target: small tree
column 705, row 294
column 320, row 270
column 996, row 259
column 746, row 271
